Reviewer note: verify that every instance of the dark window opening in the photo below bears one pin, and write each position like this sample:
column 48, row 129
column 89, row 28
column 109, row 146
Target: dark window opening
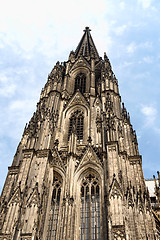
column 90, row 209
column 54, row 211
column 98, row 82
column 76, row 124
column 153, row 199
column 80, row 83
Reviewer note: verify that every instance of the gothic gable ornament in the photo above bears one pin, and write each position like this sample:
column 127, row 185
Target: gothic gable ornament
column 97, row 102
column 16, row 197
column 130, row 200
column 115, row 189
column 77, row 99
column 81, row 62
column 55, row 159
column 89, row 157
column 34, row 197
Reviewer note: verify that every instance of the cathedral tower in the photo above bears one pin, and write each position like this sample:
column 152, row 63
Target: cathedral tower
column 77, row 173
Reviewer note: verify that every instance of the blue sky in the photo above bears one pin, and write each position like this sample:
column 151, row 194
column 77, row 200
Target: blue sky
column 34, row 34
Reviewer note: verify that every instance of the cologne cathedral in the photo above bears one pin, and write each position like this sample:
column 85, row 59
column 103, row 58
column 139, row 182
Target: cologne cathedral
column 77, row 173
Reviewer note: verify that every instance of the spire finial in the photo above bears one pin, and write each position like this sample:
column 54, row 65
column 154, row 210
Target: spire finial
column 86, row 47
column 87, row 29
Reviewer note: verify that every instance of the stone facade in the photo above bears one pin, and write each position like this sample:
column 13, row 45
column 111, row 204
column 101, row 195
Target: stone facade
column 77, row 173
column 153, row 186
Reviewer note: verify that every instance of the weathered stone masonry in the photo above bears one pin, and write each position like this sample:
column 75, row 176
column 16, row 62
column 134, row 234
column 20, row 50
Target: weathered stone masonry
column 77, row 173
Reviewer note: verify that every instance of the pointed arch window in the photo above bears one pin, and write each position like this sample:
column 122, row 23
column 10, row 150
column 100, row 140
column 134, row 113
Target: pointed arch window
column 80, row 83
column 90, row 208
column 76, row 124
column 54, row 211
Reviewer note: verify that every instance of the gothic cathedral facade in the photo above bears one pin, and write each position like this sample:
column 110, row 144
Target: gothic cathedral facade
column 77, row 173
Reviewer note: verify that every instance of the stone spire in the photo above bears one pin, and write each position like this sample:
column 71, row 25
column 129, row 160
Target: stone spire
column 86, row 47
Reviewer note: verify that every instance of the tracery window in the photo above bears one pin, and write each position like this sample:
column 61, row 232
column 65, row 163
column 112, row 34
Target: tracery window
column 80, row 83
column 90, row 208
column 76, row 124
column 54, row 211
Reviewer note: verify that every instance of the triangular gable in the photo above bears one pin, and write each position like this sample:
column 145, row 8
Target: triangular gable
column 115, row 189
column 65, row 94
column 34, row 197
column 89, row 157
column 81, row 62
column 130, row 199
column 77, row 99
column 99, row 65
column 16, row 197
column 97, row 102
column 56, row 159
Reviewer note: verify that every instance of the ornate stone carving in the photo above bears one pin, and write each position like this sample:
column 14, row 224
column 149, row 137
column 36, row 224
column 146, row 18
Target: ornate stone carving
column 61, row 187
column 53, row 118
column 115, row 189
column 43, row 153
column 57, row 73
column 118, row 232
column 99, row 123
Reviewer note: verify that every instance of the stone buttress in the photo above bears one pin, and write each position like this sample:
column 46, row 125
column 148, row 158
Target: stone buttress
column 77, row 173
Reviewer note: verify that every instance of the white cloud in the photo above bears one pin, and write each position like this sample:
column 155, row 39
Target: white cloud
column 7, row 88
column 21, row 105
column 124, row 65
column 145, row 3
column 7, row 91
column 142, row 74
column 3, row 78
column 147, row 45
column 150, row 113
column 148, row 59
column 46, row 24
column 120, row 30
column 157, row 130
column 122, row 5
column 131, row 47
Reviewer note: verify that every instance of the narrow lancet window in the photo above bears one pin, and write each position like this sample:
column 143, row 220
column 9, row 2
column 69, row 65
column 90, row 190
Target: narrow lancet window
column 54, row 211
column 76, row 124
column 90, row 208
column 80, row 83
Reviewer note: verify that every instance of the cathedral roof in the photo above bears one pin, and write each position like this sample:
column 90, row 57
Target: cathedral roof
column 86, row 47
